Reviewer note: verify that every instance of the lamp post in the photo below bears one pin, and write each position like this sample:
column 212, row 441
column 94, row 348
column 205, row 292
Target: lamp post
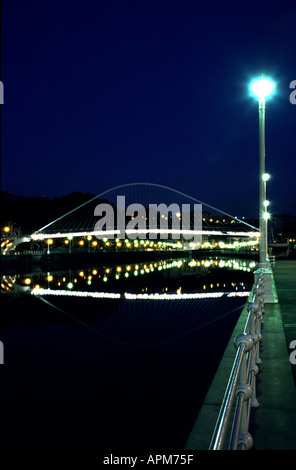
column 261, row 89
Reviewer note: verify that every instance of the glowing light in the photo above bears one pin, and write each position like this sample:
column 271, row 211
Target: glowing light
column 180, row 296
column 129, row 296
column 266, row 176
column 266, row 215
column 238, row 294
column 6, row 229
column 50, row 278
column 262, row 87
column 57, row 292
column 27, row 281
column 43, row 236
column 266, row 203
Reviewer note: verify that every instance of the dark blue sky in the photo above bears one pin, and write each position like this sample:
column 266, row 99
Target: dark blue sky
column 99, row 93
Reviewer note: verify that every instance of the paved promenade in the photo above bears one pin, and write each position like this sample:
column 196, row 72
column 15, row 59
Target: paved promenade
column 273, row 424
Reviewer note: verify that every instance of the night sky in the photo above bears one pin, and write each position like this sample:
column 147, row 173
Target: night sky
column 101, row 93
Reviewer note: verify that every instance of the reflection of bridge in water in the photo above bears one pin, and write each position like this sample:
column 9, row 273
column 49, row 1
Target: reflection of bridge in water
column 168, row 279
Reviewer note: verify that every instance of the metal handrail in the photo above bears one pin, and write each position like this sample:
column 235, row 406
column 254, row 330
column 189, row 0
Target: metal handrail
column 241, row 383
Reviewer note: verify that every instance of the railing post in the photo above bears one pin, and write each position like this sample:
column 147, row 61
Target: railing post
column 242, row 380
column 240, row 437
column 254, row 369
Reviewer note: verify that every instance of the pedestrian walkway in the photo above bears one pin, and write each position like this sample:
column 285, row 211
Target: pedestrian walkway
column 285, row 279
column 274, row 422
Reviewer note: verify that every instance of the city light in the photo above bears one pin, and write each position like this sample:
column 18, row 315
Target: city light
column 140, row 232
column 130, row 296
column 262, row 87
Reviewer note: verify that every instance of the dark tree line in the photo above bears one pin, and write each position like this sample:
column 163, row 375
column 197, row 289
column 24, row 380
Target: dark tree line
column 31, row 213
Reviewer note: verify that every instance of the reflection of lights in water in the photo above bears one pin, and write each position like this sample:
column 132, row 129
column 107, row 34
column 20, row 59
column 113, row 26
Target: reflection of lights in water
column 7, row 283
column 122, row 272
column 145, row 296
column 66, row 293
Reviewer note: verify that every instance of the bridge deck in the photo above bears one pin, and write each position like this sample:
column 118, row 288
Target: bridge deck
column 273, row 424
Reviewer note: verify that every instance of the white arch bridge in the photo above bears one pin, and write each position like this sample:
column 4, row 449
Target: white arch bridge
column 148, row 216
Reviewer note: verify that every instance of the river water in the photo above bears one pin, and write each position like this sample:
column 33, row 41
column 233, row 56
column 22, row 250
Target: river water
column 114, row 357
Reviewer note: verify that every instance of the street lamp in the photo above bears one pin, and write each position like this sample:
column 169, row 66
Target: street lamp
column 49, row 242
column 262, row 88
